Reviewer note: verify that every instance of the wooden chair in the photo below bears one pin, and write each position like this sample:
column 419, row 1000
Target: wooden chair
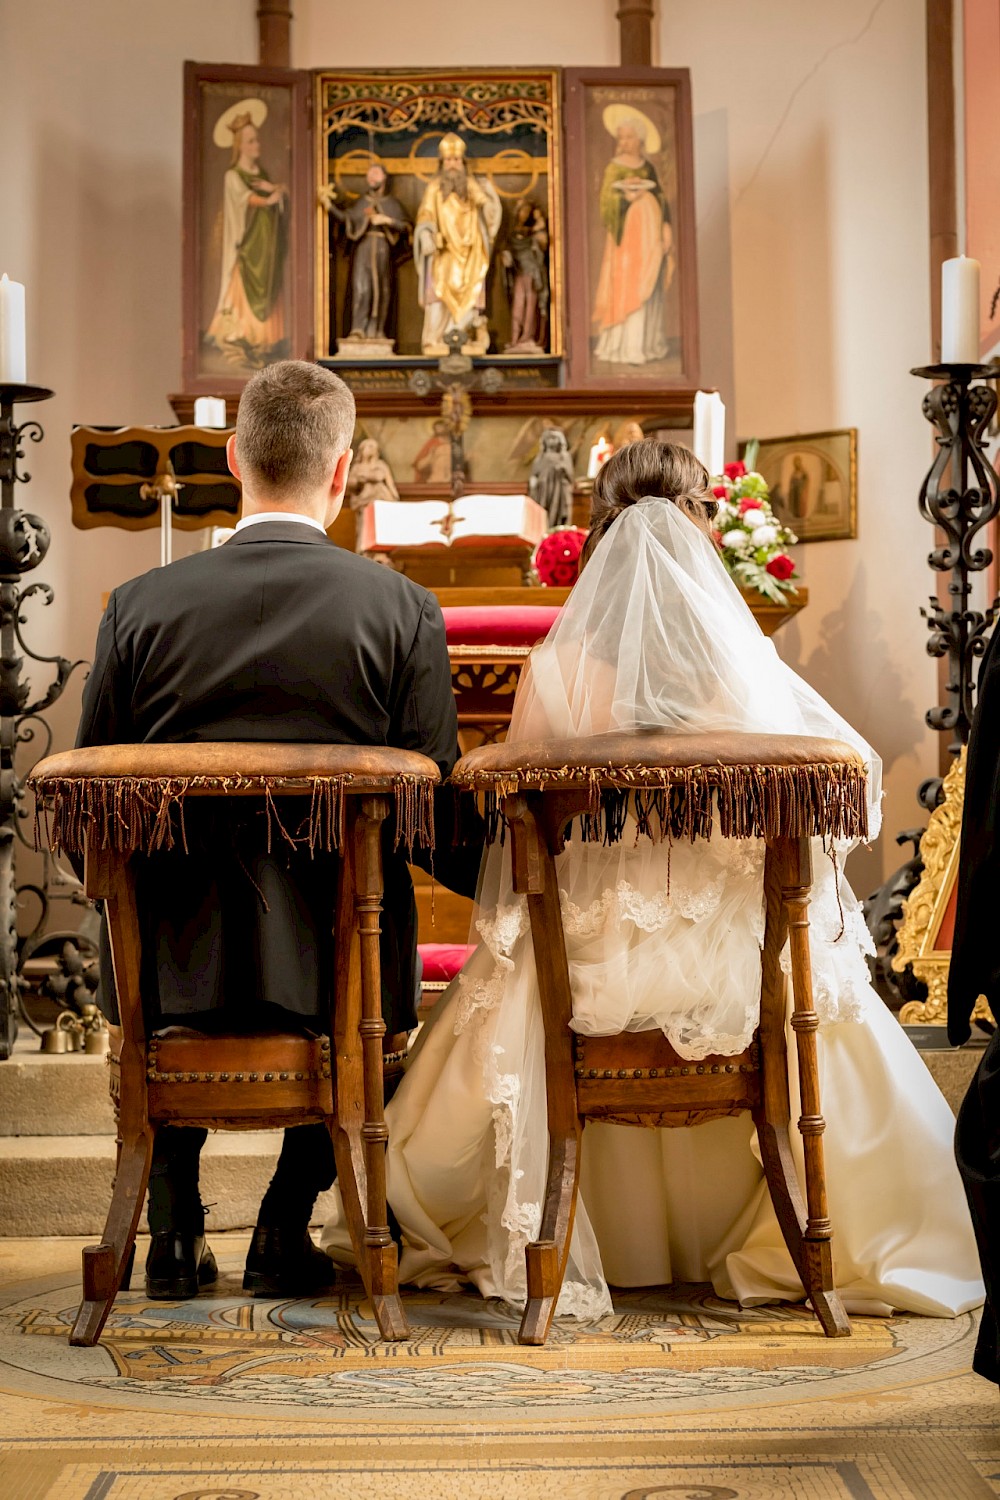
column 783, row 789
column 110, row 803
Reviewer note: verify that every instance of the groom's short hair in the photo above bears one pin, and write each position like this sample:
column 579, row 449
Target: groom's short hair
column 295, row 420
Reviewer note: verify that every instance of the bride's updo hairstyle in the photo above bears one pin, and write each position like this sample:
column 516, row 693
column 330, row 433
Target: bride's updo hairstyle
column 649, row 470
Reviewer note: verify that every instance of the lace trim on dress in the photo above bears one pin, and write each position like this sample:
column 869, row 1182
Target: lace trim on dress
column 648, row 913
column 695, row 1045
column 500, row 936
column 581, row 1299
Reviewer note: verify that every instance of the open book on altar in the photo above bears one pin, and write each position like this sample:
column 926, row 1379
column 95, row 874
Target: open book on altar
column 478, row 520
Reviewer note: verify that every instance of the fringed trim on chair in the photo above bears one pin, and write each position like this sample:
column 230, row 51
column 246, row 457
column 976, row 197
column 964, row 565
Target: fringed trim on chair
column 140, row 815
column 674, row 803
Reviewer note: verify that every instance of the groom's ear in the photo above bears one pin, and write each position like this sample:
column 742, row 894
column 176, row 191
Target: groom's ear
column 338, row 485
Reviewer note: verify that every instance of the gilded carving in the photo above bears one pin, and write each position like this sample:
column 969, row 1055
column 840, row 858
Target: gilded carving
column 925, row 909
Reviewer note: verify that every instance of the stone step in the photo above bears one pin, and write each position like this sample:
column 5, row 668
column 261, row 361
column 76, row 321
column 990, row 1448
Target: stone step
column 46, row 1094
column 59, row 1185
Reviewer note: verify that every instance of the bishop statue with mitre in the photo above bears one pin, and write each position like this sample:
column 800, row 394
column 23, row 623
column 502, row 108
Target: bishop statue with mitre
column 453, row 240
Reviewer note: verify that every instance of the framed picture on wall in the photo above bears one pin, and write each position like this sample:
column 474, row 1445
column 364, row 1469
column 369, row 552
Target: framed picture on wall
column 813, row 479
column 247, row 215
column 632, row 277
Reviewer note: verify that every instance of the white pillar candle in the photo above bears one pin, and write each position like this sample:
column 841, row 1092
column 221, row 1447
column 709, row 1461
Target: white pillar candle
column 13, row 358
column 960, row 311
column 210, row 411
column 709, row 442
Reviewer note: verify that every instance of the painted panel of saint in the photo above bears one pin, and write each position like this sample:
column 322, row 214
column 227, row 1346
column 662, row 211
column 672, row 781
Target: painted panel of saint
column 633, row 299
column 248, row 325
column 244, row 305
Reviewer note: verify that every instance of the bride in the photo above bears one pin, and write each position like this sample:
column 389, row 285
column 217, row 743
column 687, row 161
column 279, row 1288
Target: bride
column 656, row 634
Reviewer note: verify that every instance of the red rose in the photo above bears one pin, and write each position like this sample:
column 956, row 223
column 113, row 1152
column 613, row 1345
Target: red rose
column 749, row 503
column 734, row 471
column 717, row 538
column 781, row 567
column 720, row 492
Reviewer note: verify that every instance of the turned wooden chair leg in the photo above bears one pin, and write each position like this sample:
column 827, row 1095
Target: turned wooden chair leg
column 546, row 1257
column 380, row 1251
column 816, row 1247
column 773, row 1114
column 345, row 1126
column 806, row 1226
column 105, row 1265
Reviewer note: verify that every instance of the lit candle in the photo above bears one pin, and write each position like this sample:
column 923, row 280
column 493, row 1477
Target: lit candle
column 599, row 455
column 709, row 442
column 960, row 311
column 13, row 358
column 210, row 411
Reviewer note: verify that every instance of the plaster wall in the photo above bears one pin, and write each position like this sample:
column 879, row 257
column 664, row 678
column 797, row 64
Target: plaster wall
column 812, row 231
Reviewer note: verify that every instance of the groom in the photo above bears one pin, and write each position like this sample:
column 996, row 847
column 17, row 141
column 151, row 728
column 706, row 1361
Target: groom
column 276, row 636
column 975, row 970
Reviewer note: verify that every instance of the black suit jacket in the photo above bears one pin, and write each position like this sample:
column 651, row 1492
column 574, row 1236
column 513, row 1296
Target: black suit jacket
column 276, row 636
column 974, row 969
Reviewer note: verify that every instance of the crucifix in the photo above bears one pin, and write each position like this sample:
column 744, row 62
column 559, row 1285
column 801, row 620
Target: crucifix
column 456, row 377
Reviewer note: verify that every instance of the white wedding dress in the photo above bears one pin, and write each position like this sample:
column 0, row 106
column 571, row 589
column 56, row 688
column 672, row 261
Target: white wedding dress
column 655, row 633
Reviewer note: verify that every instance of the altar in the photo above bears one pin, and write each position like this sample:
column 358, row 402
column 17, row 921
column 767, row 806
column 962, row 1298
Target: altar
column 500, row 263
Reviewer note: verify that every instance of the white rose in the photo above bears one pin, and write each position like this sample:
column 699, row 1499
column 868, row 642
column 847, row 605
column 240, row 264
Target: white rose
column 735, row 539
column 754, row 518
column 765, row 536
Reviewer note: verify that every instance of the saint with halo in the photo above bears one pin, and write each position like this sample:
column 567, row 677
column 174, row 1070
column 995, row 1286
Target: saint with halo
column 453, row 240
column 249, row 320
column 638, row 260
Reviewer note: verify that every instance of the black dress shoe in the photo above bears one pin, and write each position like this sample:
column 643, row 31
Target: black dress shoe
column 178, row 1265
column 284, row 1262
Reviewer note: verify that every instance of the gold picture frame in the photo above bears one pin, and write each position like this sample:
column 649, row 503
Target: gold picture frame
column 813, row 479
column 924, row 936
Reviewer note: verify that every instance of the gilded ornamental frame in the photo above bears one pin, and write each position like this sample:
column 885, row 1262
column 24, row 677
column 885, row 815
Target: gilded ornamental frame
column 924, row 938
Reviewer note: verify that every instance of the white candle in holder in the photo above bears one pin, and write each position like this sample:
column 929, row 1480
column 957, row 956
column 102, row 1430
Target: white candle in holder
column 210, row 411
column 13, row 357
column 960, row 311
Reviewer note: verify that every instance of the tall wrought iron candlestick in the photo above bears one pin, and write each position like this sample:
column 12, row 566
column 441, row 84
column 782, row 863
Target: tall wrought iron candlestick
column 960, row 496
column 24, row 541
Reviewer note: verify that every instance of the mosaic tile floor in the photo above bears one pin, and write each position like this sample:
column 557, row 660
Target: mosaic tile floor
column 676, row 1395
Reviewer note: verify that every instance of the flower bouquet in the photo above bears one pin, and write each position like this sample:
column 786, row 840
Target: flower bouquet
column 750, row 537
column 557, row 557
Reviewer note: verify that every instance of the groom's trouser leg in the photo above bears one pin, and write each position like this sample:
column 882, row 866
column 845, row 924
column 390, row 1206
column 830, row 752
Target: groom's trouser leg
column 174, row 1197
column 977, row 1150
column 305, row 1169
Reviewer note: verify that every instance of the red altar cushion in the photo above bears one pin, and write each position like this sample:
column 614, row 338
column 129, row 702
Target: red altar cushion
column 499, row 625
column 442, row 961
